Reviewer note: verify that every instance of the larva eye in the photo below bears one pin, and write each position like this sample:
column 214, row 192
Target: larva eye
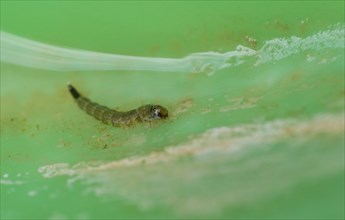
column 156, row 112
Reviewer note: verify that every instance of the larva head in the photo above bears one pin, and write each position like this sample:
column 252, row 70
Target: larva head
column 152, row 112
column 158, row 112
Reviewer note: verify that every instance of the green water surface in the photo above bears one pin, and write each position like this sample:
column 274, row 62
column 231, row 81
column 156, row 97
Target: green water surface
column 296, row 174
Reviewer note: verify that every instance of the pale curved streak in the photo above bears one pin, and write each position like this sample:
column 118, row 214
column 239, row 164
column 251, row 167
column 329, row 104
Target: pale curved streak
column 29, row 53
column 21, row 51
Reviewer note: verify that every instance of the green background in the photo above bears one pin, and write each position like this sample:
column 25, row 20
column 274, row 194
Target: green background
column 299, row 174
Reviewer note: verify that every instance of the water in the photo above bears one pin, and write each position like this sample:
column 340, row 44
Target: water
column 256, row 96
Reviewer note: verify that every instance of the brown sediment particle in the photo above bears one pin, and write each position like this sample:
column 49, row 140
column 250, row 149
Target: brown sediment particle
column 183, row 106
column 251, row 42
column 278, row 25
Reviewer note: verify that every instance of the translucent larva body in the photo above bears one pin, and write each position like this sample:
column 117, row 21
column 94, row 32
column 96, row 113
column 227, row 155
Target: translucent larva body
column 145, row 113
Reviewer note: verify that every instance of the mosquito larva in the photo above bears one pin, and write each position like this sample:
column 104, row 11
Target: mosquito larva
column 145, row 113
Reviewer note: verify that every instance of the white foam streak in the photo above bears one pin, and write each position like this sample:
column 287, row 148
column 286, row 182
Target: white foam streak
column 280, row 48
column 10, row 182
column 25, row 52
column 21, row 51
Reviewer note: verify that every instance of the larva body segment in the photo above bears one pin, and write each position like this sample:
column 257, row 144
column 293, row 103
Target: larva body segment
column 146, row 113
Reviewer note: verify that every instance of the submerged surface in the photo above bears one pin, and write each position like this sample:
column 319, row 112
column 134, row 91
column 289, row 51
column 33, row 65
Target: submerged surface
column 262, row 138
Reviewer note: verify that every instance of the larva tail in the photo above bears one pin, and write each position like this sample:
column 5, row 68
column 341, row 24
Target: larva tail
column 73, row 92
